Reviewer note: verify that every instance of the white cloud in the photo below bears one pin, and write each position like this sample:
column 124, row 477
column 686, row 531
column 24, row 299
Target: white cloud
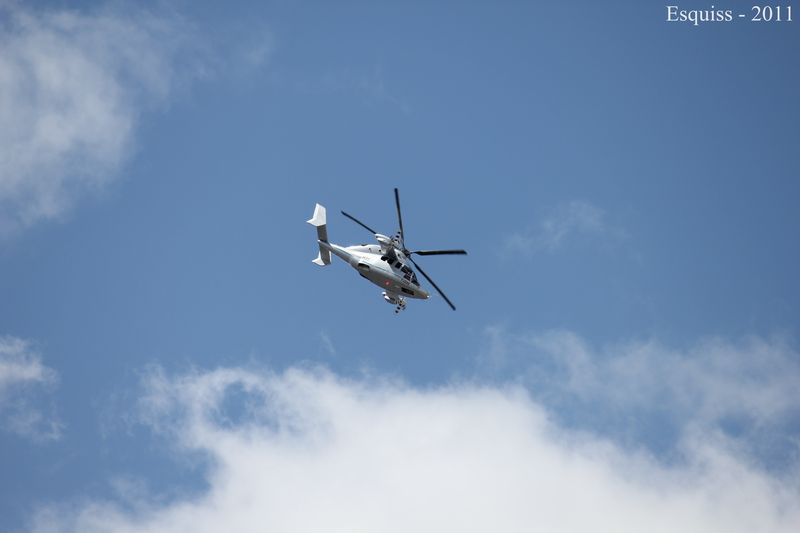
column 746, row 390
column 72, row 87
column 310, row 451
column 552, row 231
column 22, row 376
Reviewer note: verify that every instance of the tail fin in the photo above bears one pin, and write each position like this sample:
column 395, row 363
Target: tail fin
column 319, row 220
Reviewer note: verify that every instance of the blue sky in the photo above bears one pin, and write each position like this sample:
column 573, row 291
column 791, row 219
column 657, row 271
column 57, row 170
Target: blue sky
column 627, row 314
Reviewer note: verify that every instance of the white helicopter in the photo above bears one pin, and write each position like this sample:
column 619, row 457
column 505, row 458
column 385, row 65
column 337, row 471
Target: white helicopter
column 384, row 264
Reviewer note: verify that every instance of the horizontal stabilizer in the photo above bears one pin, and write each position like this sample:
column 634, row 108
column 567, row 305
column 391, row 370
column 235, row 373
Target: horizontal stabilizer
column 322, row 261
column 319, row 216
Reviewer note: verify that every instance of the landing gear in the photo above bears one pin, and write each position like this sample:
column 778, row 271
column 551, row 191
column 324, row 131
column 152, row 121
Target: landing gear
column 398, row 301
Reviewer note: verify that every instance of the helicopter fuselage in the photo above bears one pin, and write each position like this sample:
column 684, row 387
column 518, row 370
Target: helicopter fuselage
column 391, row 274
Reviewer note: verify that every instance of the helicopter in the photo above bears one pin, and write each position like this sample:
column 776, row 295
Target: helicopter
column 385, row 264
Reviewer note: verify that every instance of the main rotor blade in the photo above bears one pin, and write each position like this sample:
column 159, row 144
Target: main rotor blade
column 446, row 299
column 399, row 216
column 354, row 219
column 440, row 252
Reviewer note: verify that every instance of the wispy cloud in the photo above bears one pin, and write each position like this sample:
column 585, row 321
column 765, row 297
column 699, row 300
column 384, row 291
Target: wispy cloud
column 72, row 88
column 316, row 452
column 645, row 392
column 22, row 379
column 565, row 221
column 327, row 343
column 367, row 84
